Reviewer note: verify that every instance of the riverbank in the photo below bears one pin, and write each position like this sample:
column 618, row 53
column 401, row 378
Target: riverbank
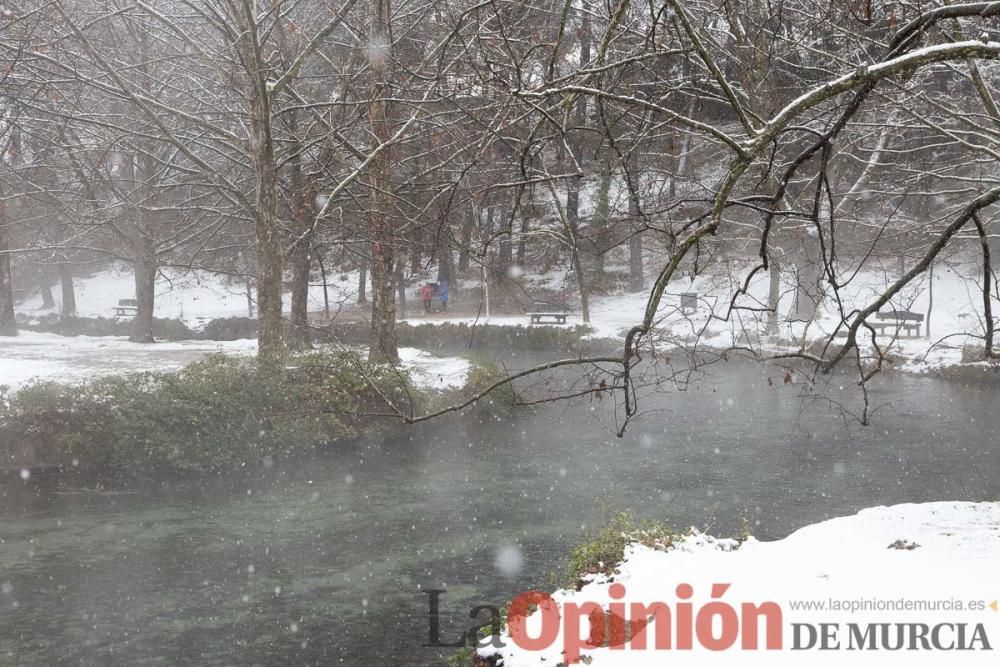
column 939, row 551
column 32, row 356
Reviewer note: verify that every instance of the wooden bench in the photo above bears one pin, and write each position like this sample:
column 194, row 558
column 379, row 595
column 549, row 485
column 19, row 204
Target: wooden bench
column 689, row 303
column 898, row 320
column 542, row 310
column 127, row 308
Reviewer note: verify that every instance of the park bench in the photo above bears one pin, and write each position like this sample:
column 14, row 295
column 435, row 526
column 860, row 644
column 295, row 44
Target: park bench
column 543, row 310
column 689, row 303
column 898, row 320
column 127, row 308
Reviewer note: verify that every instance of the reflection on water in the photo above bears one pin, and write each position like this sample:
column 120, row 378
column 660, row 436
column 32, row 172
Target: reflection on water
column 323, row 562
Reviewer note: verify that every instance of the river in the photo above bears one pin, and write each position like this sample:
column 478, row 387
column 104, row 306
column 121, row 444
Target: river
column 323, row 561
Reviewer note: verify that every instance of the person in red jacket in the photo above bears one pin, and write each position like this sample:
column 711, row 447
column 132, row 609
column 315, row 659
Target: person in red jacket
column 427, row 296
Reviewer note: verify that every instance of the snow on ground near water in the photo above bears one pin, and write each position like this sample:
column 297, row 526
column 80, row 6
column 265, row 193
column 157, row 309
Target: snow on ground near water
column 31, row 355
column 194, row 297
column 43, row 356
column 957, row 557
column 433, row 372
column 956, row 318
column 197, row 297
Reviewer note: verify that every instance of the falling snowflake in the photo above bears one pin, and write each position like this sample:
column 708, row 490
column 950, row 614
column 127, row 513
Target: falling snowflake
column 509, row 560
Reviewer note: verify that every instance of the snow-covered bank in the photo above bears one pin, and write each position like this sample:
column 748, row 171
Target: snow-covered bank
column 432, row 372
column 43, row 356
column 726, row 318
column 950, row 302
column 906, row 564
column 31, row 355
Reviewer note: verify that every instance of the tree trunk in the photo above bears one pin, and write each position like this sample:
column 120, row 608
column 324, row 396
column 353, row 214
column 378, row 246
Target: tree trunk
column 301, row 263
column 326, row 283
column 145, row 290
column 930, row 300
column 269, row 251
column 400, row 286
column 382, row 341
column 573, row 222
column 773, row 297
column 68, row 292
column 144, row 244
column 573, row 193
column 301, row 256
column 416, row 265
column 363, row 281
column 497, row 270
column 8, row 323
column 637, row 280
column 806, row 290
column 505, row 220
column 445, row 262
column 68, row 307
column 600, row 221
column 507, row 244
column 48, row 301
column 522, row 241
column 249, row 289
column 270, row 337
column 465, row 242
column 581, row 285
column 270, row 254
column 682, row 158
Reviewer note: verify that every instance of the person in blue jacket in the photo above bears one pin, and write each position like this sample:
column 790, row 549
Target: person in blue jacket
column 443, row 295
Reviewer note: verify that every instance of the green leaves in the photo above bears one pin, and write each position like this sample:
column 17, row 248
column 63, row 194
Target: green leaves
column 217, row 414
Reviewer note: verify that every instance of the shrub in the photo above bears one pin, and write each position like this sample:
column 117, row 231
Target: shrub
column 104, row 326
column 452, row 336
column 484, row 373
column 230, row 328
column 215, row 414
column 605, row 549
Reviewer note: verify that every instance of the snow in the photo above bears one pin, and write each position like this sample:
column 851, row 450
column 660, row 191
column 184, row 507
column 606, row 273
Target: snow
column 955, row 318
column 44, row 356
column 188, row 296
column 942, row 551
column 192, row 296
column 197, row 297
column 430, row 372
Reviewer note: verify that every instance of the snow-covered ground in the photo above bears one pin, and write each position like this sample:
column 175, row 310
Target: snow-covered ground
column 195, row 297
column 928, row 557
column 433, row 372
column 43, row 356
column 955, row 315
column 955, row 318
column 32, row 355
